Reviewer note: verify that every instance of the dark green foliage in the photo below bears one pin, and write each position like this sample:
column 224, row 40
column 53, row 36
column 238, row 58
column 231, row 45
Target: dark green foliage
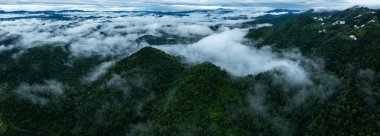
column 35, row 65
column 353, row 110
column 331, row 42
column 152, row 64
column 120, row 99
column 300, row 32
column 272, row 19
column 153, row 93
column 43, row 63
column 196, row 104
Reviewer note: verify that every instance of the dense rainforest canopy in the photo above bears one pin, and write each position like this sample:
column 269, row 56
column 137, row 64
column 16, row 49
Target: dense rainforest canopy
column 43, row 92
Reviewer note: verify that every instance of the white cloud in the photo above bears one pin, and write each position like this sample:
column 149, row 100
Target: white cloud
column 105, row 33
column 189, row 30
column 98, row 71
column 41, row 94
column 114, row 35
column 227, row 51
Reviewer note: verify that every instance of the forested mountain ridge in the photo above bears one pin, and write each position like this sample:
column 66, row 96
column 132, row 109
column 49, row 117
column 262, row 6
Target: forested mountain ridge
column 340, row 37
column 45, row 90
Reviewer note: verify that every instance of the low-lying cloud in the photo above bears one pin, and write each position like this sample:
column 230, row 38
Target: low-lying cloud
column 41, row 94
column 108, row 33
column 115, row 34
column 227, row 50
column 98, row 72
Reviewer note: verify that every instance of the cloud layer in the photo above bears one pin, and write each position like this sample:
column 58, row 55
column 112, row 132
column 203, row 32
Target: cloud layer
column 227, row 51
column 100, row 33
column 213, row 36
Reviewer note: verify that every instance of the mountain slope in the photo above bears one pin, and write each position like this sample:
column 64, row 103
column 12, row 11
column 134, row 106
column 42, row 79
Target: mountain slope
column 341, row 37
column 43, row 91
column 197, row 103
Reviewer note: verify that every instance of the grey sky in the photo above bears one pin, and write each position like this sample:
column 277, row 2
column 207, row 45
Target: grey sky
column 181, row 4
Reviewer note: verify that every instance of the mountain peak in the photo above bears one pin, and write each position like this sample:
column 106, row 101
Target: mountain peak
column 358, row 7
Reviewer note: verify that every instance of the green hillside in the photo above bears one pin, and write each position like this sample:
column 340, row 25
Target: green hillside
column 150, row 92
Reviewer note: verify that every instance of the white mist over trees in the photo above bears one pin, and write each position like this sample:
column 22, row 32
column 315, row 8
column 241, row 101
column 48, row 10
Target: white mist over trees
column 204, row 72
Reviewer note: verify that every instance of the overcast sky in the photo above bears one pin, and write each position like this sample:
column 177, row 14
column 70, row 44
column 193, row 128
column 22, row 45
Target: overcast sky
column 180, row 4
